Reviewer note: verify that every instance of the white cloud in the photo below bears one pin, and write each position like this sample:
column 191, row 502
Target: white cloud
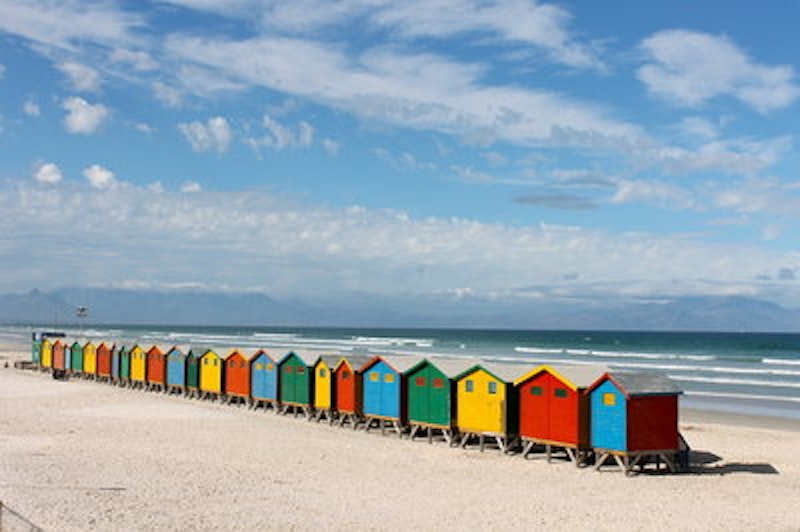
column 214, row 135
column 283, row 245
column 140, row 61
column 521, row 22
column 689, row 68
column 81, row 77
column 280, row 137
column 169, row 96
column 99, row 176
column 659, row 193
column 2, row 71
column 67, row 23
column 48, row 173
column 330, row 146
column 31, row 108
column 83, row 117
column 403, row 160
column 422, row 91
column 698, row 127
column 191, row 187
column 144, row 128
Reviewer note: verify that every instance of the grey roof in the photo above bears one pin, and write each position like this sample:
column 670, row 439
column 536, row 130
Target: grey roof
column 401, row 363
column 506, row 372
column 453, row 367
column 582, row 376
column 221, row 351
column 331, row 360
column 308, row 356
column 356, row 361
column 642, row 383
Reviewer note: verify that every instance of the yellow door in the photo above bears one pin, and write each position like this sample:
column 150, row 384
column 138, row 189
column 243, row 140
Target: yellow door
column 90, row 359
column 47, row 354
column 322, row 386
column 211, row 373
column 137, row 364
column 481, row 398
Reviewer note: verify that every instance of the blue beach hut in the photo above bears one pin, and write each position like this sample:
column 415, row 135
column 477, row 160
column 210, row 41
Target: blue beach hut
column 115, row 350
column 384, row 391
column 176, row 369
column 263, row 379
column 634, row 416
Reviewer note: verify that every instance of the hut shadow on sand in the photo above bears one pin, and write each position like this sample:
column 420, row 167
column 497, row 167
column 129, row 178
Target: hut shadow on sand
column 708, row 463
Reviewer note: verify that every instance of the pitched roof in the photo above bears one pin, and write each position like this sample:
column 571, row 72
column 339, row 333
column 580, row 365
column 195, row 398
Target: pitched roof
column 499, row 370
column 576, row 376
column 307, row 356
column 356, row 362
column 450, row 366
column 221, row 352
column 399, row 363
column 330, row 360
column 634, row 383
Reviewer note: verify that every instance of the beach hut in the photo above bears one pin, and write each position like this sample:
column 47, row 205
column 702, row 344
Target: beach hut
column 124, row 366
column 115, row 363
column 138, row 366
column 156, row 368
column 211, row 373
column 237, row 377
column 384, row 391
column 104, row 361
column 431, row 396
column 176, row 369
column 76, row 358
column 47, row 353
column 193, row 374
column 296, row 385
column 58, row 353
column 634, row 417
column 89, row 360
column 323, row 387
column 36, row 349
column 487, row 404
column 554, row 410
column 348, row 389
column 263, row 380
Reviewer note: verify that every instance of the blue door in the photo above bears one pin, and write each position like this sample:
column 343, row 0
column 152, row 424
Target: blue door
column 609, row 422
column 382, row 391
column 176, row 367
column 263, row 378
column 114, row 362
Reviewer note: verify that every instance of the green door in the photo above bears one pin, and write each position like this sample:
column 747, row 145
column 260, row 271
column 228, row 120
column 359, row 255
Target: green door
column 77, row 358
column 439, row 398
column 418, row 395
column 36, row 351
column 192, row 373
column 124, row 364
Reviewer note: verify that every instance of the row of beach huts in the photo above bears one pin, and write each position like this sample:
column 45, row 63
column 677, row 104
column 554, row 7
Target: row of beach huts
column 586, row 414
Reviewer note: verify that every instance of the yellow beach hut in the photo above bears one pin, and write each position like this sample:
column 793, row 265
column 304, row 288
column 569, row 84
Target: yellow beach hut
column 487, row 404
column 324, row 386
column 89, row 360
column 138, row 366
column 47, row 354
column 211, row 372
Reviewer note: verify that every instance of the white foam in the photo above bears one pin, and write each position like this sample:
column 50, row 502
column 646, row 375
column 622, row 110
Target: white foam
column 613, row 354
column 744, row 396
column 737, row 382
column 781, row 361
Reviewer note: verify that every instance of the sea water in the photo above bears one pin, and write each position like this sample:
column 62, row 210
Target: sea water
column 751, row 373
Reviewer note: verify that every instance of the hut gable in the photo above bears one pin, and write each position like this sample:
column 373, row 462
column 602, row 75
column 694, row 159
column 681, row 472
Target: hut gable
column 640, row 383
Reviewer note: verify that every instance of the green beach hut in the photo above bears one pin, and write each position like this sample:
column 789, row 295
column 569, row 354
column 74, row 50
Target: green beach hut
column 124, row 366
column 296, row 382
column 76, row 357
column 192, row 374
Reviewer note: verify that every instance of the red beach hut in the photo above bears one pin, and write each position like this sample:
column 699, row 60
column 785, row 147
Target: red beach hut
column 156, row 369
column 347, row 395
column 59, row 356
column 554, row 411
column 237, row 377
column 104, row 361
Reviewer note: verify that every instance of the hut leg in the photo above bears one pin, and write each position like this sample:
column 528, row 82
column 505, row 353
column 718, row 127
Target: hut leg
column 430, row 435
column 570, row 454
column 447, row 437
column 600, row 461
column 547, row 452
column 527, row 449
column 413, row 432
column 501, row 443
column 481, row 441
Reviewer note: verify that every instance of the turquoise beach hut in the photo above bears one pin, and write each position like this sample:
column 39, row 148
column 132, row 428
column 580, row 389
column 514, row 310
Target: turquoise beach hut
column 384, row 392
column 263, row 380
column 176, row 369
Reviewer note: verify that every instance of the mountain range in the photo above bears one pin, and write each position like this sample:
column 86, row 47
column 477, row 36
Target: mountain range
column 153, row 307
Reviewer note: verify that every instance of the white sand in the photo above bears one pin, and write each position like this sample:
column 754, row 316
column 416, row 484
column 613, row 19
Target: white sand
column 82, row 455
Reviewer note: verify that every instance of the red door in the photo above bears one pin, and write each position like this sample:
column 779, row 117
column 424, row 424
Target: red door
column 237, row 376
column 103, row 361
column 155, row 366
column 345, row 389
column 563, row 412
column 534, row 409
column 58, row 355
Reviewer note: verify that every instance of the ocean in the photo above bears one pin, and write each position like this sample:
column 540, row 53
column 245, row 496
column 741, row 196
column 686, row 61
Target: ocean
column 749, row 373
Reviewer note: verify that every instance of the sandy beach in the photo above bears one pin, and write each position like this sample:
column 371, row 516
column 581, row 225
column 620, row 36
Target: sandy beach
column 82, row 455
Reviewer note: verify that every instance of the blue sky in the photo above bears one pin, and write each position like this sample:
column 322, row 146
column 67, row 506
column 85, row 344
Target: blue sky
column 492, row 151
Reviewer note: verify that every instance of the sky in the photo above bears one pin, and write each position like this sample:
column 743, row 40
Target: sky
column 468, row 150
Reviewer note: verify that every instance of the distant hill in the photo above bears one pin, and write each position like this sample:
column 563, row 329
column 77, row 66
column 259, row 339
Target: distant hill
column 144, row 307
